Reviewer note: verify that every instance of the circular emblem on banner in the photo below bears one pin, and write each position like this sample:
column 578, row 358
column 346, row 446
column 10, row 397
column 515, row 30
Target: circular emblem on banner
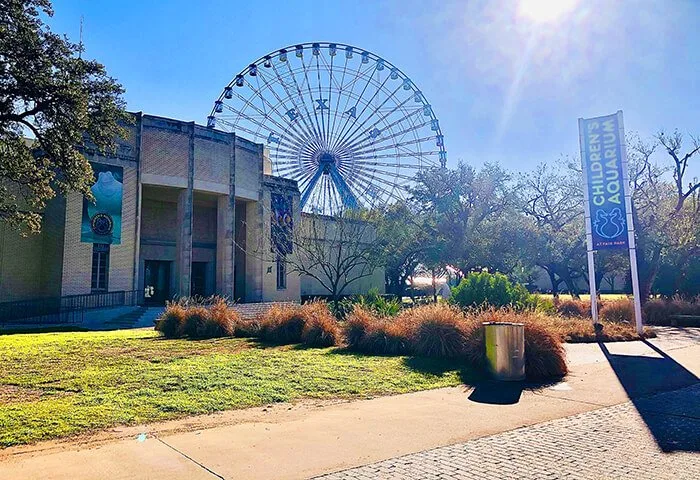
column 102, row 224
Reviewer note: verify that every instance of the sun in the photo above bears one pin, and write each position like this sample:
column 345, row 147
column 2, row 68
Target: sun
column 545, row 10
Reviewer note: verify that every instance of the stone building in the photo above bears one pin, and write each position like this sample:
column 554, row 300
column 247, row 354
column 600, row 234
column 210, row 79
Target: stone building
column 192, row 198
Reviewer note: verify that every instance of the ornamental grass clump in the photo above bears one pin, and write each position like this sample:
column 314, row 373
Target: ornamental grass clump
column 195, row 324
column 358, row 322
column 169, row 324
column 618, row 311
column 572, row 308
column 367, row 332
column 321, row 329
column 662, row 311
column 440, row 331
column 282, row 324
column 220, row 321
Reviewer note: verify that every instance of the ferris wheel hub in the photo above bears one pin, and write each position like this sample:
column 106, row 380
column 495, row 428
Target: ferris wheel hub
column 326, row 162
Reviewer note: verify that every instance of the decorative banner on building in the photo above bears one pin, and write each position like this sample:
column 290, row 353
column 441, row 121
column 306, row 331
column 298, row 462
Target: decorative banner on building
column 282, row 224
column 102, row 220
column 603, row 167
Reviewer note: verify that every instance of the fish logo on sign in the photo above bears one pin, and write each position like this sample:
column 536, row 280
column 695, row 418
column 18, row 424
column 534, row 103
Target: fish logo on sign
column 609, row 224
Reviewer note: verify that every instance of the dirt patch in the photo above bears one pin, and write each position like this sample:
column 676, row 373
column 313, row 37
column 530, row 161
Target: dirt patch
column 14, row 394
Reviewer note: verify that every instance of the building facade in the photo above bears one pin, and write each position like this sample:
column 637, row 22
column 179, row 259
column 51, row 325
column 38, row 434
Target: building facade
column 194, row 202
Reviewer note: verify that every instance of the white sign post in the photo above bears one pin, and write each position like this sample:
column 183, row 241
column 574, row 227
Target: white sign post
column 607, row 199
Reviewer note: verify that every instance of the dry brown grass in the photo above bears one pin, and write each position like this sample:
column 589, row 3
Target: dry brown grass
column 321, row 329
column 659, row 311
column 282, row 324
column 572, row 307
column 170, row 322
column 579, row 330
column 439, row 331
column 181, row 319
column 357, row 324
column 618, row 311
column 311, row 324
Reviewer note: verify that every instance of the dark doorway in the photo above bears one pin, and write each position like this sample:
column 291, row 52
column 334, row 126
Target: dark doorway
column 199, row 279
column 156, row 279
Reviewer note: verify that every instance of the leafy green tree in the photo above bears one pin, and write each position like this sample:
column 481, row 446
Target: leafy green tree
column 51, row 102
column 405, row 242
column 458, row 205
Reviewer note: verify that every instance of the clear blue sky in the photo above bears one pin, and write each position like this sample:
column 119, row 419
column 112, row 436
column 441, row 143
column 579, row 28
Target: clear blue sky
column 506, row 82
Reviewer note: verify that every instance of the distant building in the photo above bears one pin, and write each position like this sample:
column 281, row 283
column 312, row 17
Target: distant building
column 176, row 207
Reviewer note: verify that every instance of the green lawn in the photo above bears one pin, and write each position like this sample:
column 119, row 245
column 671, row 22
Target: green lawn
column 58, row 384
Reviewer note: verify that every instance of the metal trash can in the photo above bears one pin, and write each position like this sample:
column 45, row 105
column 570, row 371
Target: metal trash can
column 505, row 350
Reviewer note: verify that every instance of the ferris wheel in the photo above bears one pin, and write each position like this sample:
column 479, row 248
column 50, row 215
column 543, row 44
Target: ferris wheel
column 351, row 128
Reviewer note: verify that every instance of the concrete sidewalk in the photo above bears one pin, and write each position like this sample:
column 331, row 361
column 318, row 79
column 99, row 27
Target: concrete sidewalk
column 292, row 441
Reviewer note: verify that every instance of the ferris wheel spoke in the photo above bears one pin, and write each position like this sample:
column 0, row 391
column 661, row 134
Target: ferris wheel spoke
column 363, row 140
column 417, row 141
column 321, row 102
column 240, row 127
column 297, row 142
column 330, row 82
column 362, row 160
column 282, row 141
column 340, row 94
column 341, row 135
column 353, row 135
column 352, row 142
column 345, row 108
column 291, row 97
column 376, row 171
column 300, row 135
column 373, row 190
column 301, row 96
column 295, row 95
column 361, row 148
column 307, row 83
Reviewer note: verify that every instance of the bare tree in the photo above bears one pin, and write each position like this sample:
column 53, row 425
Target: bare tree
column 552, row 198
column 336, row 251
column 666, row 213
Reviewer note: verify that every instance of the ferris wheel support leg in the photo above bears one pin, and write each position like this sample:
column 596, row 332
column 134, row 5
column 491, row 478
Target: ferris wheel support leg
column 346, row 194
column 310, row 188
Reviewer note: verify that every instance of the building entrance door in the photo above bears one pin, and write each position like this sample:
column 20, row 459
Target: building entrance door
column 156, row 279
column 199, row 279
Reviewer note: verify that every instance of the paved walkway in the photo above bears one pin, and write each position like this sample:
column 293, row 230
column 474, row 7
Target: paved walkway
column 622, row 405
column 614, row 442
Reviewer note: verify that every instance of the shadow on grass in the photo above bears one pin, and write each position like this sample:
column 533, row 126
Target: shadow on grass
column 655, row 385
column 46, row 329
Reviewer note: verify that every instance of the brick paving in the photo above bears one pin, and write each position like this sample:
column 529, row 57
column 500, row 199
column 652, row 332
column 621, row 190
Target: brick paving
column 652, row 437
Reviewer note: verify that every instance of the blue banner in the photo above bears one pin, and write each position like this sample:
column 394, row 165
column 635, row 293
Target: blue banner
column 282, row 224
column 102, row 219
column 601, row 147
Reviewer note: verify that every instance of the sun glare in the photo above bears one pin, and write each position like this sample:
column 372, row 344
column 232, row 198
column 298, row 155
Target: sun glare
column 545, row 10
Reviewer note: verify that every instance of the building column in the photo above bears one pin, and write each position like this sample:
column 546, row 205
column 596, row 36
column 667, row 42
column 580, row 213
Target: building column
column 225, row 247
column 183, row 243
column 226, row 231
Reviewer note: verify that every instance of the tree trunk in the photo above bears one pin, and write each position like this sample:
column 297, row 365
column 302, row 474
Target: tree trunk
column 553, row 281
column 570, row 284
column 651, row 268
